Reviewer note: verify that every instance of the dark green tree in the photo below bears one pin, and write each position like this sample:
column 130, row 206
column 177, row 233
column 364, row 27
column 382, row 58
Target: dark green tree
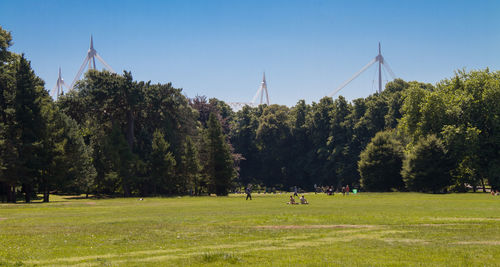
column 30, row 125
column 8, row 124
column 381, row 162
column 318, row 126
column 70, row 167
column 190, row 167
column 427, row 167
column 220, row 165
column 273, row 140
column 120, row 161
column 163, row 164
column 243, row 138
column 339, row 161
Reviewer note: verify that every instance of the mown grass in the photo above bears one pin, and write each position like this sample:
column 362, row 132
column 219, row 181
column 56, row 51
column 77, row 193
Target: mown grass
column 367, row 229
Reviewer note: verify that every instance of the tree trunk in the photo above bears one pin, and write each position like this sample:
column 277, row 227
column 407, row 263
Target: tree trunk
column 126, row 190
column 45, row 191
column 11, row 194
column 3, row 192
column 130, row 129
column 46, row 195
column 482, row 183
column 27, row 192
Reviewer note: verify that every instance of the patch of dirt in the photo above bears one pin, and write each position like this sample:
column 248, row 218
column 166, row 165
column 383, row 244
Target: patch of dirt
column 1, row 219
column 73, row 203
column 320, row 226
column 404, row 240
column 436, row 224
column 491, row 242
column 463, row 219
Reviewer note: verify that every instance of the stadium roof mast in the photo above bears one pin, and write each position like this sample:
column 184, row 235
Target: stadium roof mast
column 90, row 59
column 381, row 62
column 59, row 85
column 262, row 90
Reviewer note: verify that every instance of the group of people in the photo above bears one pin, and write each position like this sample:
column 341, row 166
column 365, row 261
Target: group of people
column 302, row 200
column 329, row 190
column 495, row 192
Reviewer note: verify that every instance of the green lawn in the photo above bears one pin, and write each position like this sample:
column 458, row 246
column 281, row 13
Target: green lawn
column 367, row 229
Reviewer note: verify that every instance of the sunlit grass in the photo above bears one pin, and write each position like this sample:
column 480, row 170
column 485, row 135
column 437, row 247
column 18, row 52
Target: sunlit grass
column 366, row 229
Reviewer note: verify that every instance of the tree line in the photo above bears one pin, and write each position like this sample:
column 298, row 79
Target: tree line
column 113, row 135
column 411, row 137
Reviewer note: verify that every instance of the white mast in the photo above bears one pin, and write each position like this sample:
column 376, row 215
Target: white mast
column 381, row 62
column 90, row 59
column 261, row 91
column 58, row 89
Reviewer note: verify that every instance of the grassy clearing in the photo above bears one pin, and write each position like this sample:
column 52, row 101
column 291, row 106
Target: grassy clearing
column 368, row 229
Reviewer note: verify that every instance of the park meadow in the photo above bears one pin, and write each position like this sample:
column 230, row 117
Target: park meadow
column 364, row 229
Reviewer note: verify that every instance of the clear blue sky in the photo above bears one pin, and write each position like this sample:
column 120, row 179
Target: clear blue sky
column 219, row 48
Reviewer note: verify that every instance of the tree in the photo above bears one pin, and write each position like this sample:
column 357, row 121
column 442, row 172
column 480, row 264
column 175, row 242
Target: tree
column 318, row 123
column 30, row 125
column 220, row 166
column 381, row 162
column 301, row 146
column 8, row 128
column 273, row 140
column 243, row 138
column 120, row 161
column 339, row 161
column 190, row 167
column 163, row 166
column 427, row 167
column 463, row 149
column 70, row 167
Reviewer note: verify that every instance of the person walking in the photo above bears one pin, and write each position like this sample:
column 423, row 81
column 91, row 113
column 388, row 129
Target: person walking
column 347, row 189
column 295, row 192
column 248, row 191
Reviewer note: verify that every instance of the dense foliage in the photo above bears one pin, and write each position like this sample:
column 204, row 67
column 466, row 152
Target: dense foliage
column 380, row 163
column 113, row 135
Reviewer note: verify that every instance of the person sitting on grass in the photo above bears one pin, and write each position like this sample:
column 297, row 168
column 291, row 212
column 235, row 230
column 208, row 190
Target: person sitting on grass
column 292, row 201
column 303, row 200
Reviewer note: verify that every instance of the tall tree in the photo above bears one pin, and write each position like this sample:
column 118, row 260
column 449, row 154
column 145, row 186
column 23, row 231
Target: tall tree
column 338, row 143
column 220, row 164
column 273, row 141
column 427, row 167
column 8, row 132
column 190, row 167
column 319, row 129
column 163, row 167
column 381, row 162
column 28, row 99
column 243, row 137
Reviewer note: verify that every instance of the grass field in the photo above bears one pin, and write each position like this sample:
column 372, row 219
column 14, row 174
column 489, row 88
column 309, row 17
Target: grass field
column 367, row 229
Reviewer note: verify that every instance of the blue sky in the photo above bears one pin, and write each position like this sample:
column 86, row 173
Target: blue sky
column 219, row 48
